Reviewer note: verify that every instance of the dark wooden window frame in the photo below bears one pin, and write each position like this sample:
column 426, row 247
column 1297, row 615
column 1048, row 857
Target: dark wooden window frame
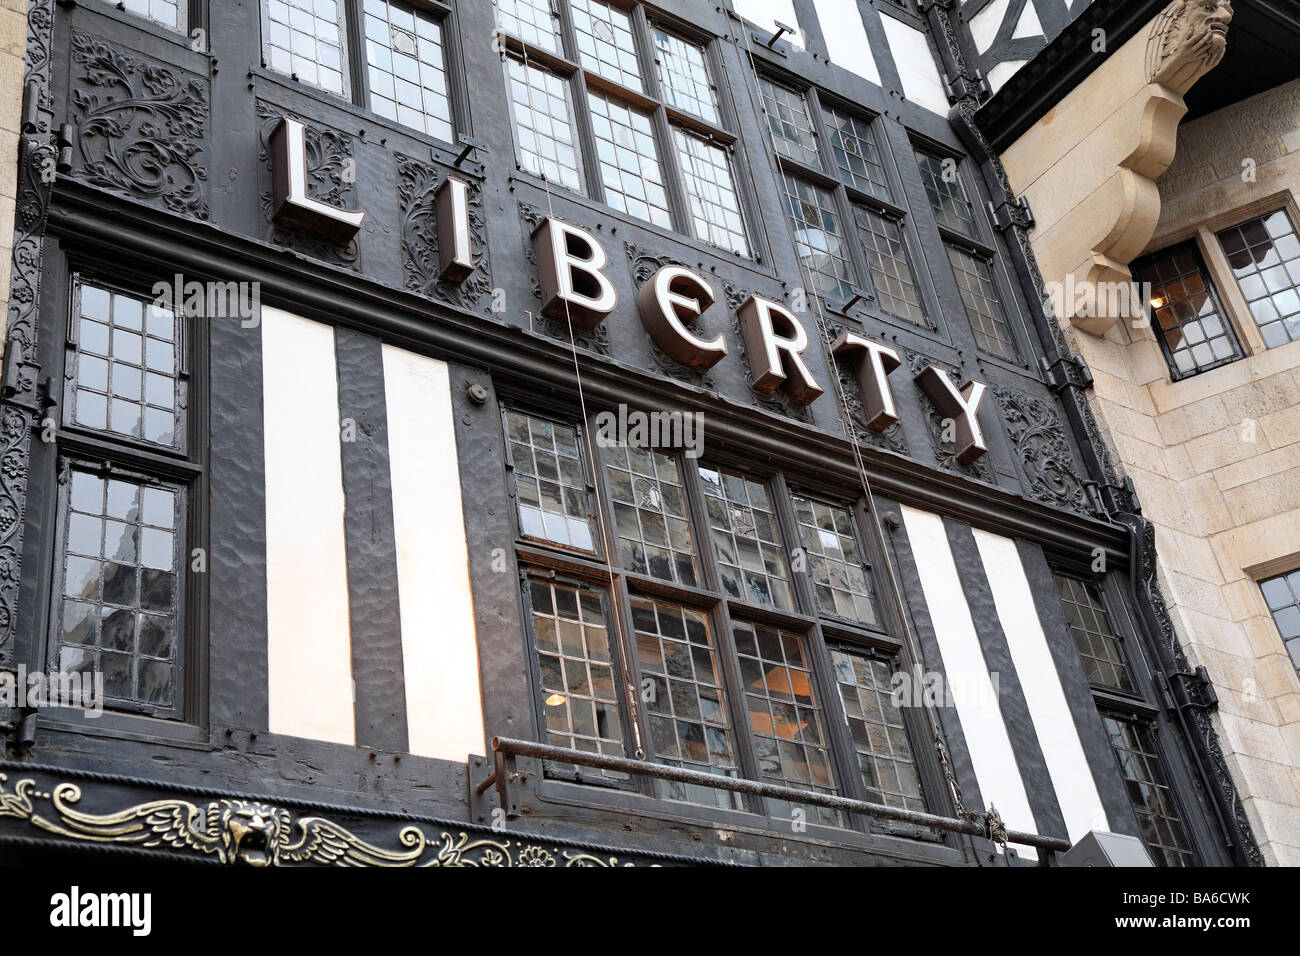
column 848, row 198
column 184, row 467
column 1148, row 703
column 542, row 560
column 569, row 68
column 356, row 71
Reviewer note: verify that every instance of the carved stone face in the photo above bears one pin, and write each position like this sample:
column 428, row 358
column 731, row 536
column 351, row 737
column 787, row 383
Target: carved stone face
column 1203, row 29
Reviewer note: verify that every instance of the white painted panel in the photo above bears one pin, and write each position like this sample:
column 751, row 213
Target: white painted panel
column 309, row 645
column 766, row 13
column 444, row 707
column 1004, row 71
column 984, row 25
column 846, row 37
column 916, row 67
column 969, row 683
column 1029, row 25
column 1076, row 790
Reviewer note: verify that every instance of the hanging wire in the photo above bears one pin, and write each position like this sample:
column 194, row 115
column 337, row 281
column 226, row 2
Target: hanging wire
column 847, row 420
column 603, row 522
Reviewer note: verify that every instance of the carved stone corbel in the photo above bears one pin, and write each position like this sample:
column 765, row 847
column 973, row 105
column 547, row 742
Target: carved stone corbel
column 1090, row 166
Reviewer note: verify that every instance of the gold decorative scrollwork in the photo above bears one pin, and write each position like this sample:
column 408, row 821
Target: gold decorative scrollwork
column 258, row 834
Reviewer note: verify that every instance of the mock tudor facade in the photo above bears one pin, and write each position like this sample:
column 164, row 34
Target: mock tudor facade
column 345, row 341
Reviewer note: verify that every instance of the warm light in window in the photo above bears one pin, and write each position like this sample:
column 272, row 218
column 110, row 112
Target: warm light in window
column 1157, row 303
column 555, row 700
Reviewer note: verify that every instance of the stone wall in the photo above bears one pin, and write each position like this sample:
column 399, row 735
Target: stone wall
column 1215, row 458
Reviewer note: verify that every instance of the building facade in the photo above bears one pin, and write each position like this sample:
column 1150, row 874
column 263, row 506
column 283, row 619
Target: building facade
column 562, row 433
column 1173, row 163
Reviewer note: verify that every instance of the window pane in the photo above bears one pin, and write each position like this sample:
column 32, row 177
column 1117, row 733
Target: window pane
column 576, row 673
column 746, row 539
column 838, row 570
column 819, row 237
column 1099, row 645
column 530, row 20
column 856, row 157
column 983, row 308
column 684, row 75
column 1282, row 594
column 126, row 367
column 789, row 123
column 549, row 481
column 304, row 39
column 942, row 181
column 408, row 71
column 785, row 716
column 711, row 188
column 543, row 124
column 1195, row 334
column 605, row 42
column 118, row 613
column 629, row 160
column 1149, row 792
column 166, row 12
column 891, row 266
column 876, row 725
column 1265, row 258
column 651, row 515
column 685, row 705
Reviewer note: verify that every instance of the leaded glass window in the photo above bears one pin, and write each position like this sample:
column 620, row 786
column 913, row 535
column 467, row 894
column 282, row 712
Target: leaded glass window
column 651, row 514
column 126, row 377
column 834, row 561
column 785, row 716
column 1265, row 258
column 1099, row 645
column 681, row 683
column 819, row 237
column 575, row 668
column 884, row 753
column 746, row 539
column 170, row 13
column 891, row 266
column 1159, row 821
column 605, row 42
column 530, row 20
column 304, row 39
column 550, row 482
column 856, row 159
column 979, row 294
column 408, row 69
column 684, row 75
column 789, row 122
column 711, row 188
column 1190, row 323
column 941, row 177
column 1282, row 594
column 543, row 124
column 629, row 160
column 119, row 605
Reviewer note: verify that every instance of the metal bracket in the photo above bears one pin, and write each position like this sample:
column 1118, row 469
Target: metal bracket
column 962, row 87
column 1066, row 372
column 1012, row 213
column 1193, row 690
column 500, row 778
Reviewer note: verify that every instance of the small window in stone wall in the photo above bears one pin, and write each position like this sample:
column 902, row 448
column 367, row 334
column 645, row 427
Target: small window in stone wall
column 1187, row 314
column 1264, row 255
column 1282, row 594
